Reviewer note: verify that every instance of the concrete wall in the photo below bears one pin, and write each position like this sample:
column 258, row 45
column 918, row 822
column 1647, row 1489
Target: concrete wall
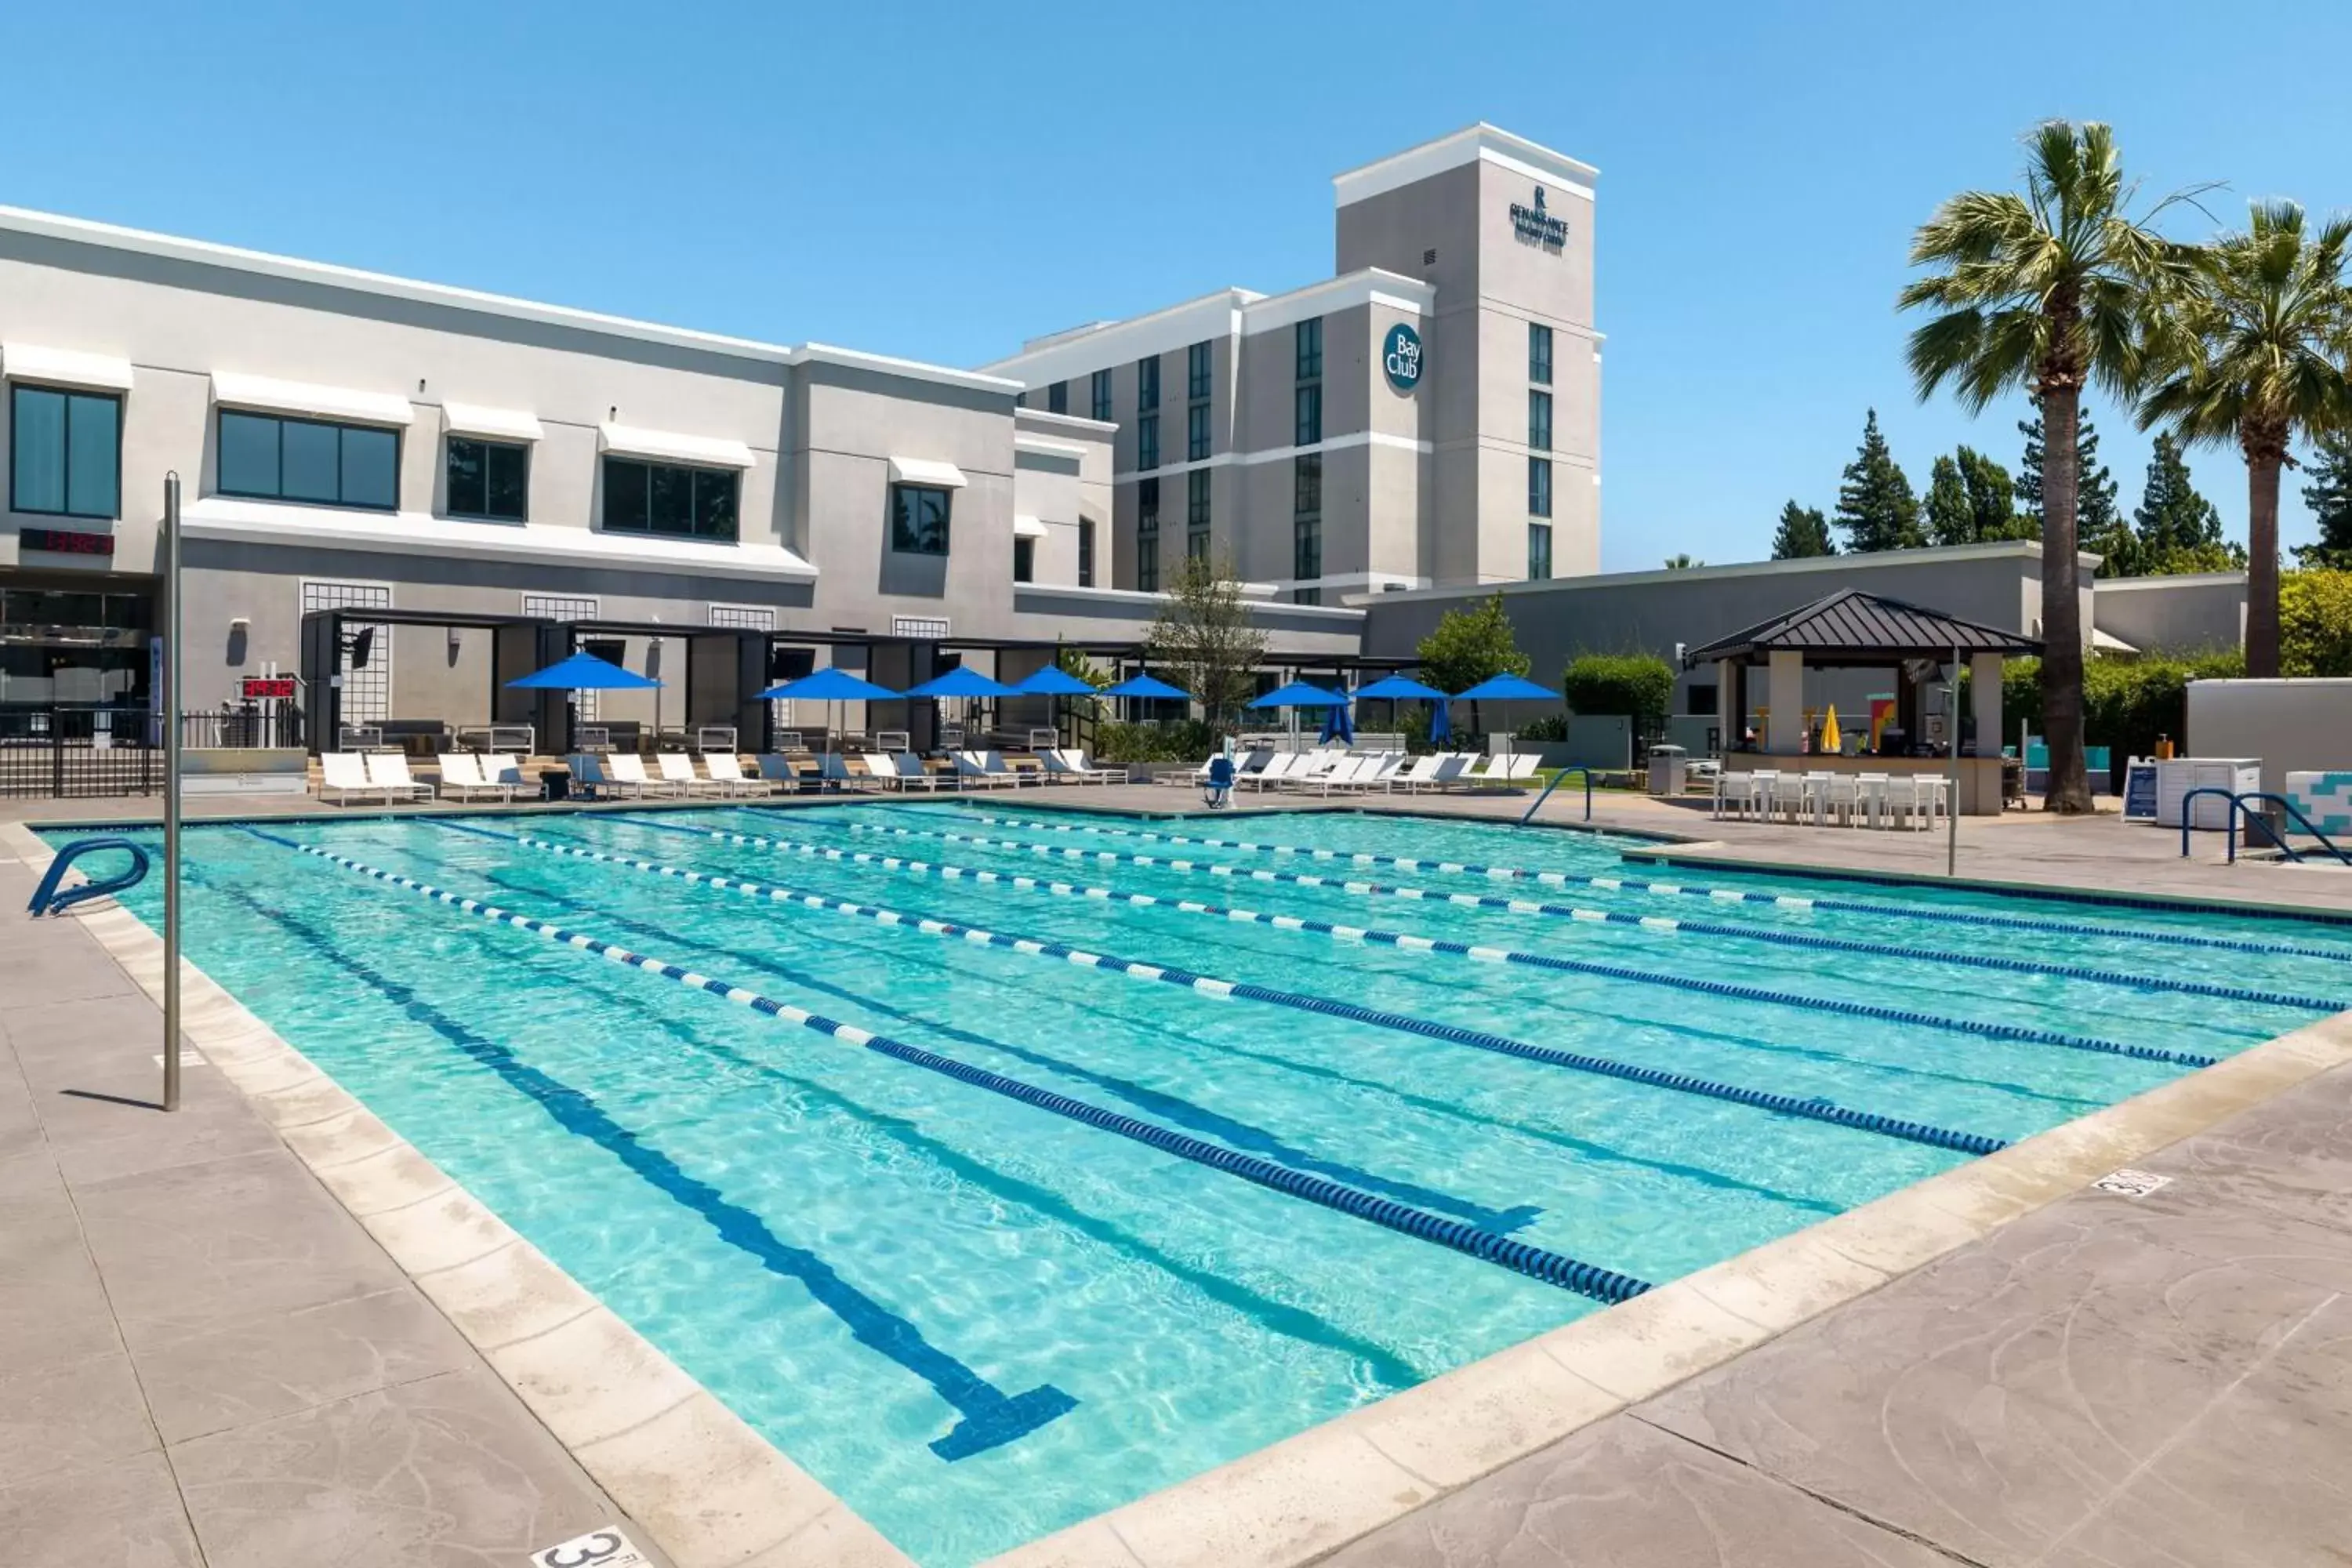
column 2183, row 613
column 2293, row 726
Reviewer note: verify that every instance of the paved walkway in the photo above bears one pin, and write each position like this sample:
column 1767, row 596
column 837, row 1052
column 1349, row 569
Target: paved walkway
column 2110, row 1383
column 204, row 1359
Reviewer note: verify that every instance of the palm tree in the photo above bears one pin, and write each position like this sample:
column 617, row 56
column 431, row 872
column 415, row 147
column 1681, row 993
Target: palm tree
column 2045, row 291
column 2254, row 351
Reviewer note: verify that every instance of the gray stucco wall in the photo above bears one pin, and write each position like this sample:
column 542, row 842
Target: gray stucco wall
column 2180, row 614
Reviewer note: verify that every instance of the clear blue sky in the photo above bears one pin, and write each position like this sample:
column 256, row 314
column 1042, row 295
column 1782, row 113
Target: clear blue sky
column 940, row 180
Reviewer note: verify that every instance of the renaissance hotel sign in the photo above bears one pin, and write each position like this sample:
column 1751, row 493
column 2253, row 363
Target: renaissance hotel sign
column 1537, row 225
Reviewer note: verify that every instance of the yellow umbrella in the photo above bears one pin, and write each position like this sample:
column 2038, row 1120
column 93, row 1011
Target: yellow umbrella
column 1831, row 742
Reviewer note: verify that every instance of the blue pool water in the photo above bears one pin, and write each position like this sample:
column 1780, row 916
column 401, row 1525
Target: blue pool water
column 1118, row 1169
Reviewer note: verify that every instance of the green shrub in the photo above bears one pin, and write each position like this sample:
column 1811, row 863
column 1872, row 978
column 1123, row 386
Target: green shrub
column 2127, row 703
column 1182, row 740
column 2315, row 622
column 1636, row 686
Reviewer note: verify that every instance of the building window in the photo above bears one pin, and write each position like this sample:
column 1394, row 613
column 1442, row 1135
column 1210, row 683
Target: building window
column 65, row 452
column 1196, row 374
column 488, row 478
column 1147, row 442
column 1147, row 537
column 308, row 460
column 1100, row 389
column 1307, row 595
column 1025, row 561
column 1310, row 344
column 1196, row 514
column 1539, row 420
column 1540, row 354
column 1307, row 548
column 1538, row 551
column 1196, row 432
column 1308, row 410
column 918, row 519
column 1057, row 398
column 1086, row 552
column 1307, row 485
column 665, row 499
column 1539, row 487
column 1147, row 384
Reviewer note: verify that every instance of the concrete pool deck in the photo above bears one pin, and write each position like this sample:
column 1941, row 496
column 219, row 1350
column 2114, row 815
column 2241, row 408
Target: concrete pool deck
column 2001, row 1365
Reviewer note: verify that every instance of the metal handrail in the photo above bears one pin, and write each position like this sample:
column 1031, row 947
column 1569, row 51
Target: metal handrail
column 2242, row 803
column 1529, row 815
column 47, row 898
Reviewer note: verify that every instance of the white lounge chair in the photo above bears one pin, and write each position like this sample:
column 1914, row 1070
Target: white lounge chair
column 1311, row 773
column 343, row 775
column 970, row 773
column 727, row 771
column 504, row 768
column 1282, row 765
column 1385, row 765
column 1101, row 771
column 1062, row 763
column 462, row 778
column 388, row 770
column 628, row 771
column 1349, row 771
column 678, row 768
column 912, row 774
column 1421, row 775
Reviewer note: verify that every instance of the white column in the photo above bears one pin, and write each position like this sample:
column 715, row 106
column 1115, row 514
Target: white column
column 1728, row 720
column 1785, row 734
column 1984, row 701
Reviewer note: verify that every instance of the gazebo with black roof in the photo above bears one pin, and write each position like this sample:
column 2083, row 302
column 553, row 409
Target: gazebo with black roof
column 1853, row 629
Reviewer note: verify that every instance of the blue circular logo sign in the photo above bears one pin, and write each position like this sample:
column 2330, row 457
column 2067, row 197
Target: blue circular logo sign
column 1401, row 357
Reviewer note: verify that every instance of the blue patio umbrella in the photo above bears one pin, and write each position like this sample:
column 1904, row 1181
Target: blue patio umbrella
column 1507, row 688
column 1053, row 681
column 1404, row 688
column 963, row 681
column 584, row 672
column 829, row 686
column 1338, row 727
column 1299, row 694
column 1147, row 686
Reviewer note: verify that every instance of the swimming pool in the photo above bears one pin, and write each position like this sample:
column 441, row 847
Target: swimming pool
column 1003, row 1165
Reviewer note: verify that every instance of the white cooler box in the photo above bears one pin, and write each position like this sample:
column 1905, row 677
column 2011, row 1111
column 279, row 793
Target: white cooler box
column 2176, row 776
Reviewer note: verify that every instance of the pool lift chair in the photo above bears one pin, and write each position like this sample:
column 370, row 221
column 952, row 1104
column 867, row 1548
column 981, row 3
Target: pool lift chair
column 1217, row 789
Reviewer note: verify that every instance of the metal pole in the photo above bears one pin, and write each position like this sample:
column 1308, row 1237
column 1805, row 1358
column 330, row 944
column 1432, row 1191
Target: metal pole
column 172, row 791
column 1952, row 813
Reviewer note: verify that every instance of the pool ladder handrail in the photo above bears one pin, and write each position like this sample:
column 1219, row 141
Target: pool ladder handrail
column 2243, row 802
column 49, row 898
column 1529, row 815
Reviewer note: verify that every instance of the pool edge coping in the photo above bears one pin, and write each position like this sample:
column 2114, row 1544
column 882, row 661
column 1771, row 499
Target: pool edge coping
column 1295, row 1501
column 648, row 1434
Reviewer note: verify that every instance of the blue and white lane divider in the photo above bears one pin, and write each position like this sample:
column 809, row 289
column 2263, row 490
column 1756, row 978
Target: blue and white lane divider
column 1776, row 936
column 989, row 1417
column 2021, row 1034
column 1590, row 1280
column 1812, row 1110
column 1688, row 891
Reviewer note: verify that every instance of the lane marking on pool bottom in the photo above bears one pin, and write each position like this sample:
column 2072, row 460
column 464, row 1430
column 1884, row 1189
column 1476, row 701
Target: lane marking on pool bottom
column 989, row 1417
column 1816, row 1109
column 1662, row 924
column 1590, row 1280
column 2022, row 1034
column 1673, row 889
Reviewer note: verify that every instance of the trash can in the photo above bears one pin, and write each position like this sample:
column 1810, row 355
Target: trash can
column 1669, row 770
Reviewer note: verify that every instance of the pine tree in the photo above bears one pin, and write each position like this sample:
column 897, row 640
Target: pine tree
column 2329, row 497
column 2099, row 524
column 1949, row 520
column 1875, row 505
column 2177, row 530
column 1803, row 532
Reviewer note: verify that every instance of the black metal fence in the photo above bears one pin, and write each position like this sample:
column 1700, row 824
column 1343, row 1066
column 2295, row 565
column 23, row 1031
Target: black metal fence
column 86, row 752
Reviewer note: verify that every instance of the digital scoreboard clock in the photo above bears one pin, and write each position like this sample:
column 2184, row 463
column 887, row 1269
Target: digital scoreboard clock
column 62, row 541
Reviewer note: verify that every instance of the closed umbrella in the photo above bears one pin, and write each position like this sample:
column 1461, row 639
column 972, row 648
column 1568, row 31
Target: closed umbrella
column 1337, row 726
column 829, row 686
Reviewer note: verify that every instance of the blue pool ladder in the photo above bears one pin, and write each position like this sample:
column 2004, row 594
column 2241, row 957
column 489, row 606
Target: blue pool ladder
column 47, row 898
column 2245, row 802
column 1556, row 779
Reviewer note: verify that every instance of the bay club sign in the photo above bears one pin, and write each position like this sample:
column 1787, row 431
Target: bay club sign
column 1401, row 357
column 1535, row 224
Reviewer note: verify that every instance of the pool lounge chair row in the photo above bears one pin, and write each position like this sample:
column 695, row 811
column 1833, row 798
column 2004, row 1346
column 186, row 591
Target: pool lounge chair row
column 623, row 775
